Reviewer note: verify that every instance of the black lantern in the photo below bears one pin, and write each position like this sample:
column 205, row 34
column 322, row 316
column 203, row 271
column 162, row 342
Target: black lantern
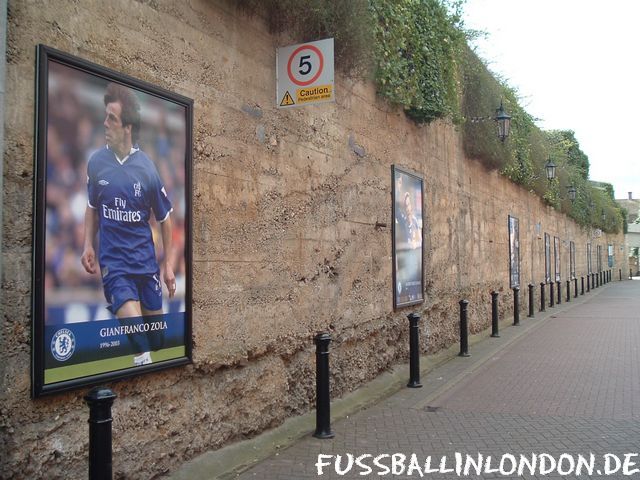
column 572, row 192
column 550, row 167
column 604, row 215
column 503, row 120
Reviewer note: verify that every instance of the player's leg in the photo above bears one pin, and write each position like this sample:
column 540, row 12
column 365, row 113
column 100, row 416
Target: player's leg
column 122, row 294
column 150, row 292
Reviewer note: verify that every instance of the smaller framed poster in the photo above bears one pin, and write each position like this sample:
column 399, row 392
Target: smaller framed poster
column 572, row 259
column 547, row 258
column 514, row 252
column 407, row 244
column 556, row 253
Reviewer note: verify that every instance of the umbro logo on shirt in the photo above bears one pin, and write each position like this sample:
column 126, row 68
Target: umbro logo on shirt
column 103, row 182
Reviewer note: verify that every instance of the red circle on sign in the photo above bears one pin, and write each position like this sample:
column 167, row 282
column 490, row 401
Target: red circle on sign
column 315, row 77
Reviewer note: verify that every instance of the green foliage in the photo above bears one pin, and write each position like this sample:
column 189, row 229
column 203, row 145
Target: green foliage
column 416, row 49
column 349, row 22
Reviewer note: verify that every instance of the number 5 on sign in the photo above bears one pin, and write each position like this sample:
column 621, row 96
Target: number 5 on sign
column 304, row 74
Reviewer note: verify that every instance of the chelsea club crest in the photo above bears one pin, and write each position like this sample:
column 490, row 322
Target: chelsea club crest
column 63, row 344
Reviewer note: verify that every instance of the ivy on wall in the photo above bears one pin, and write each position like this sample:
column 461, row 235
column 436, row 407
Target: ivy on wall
column 417, row 53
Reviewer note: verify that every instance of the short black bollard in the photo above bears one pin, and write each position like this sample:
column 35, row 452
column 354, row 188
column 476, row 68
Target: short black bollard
column 494, row 315
column 559, row 285
column 542, row 300
column 620, row 273
column 575, row 289
column 581, row 285
column 568, row 297
column 531, row 300
column 588, row 282
column 516, row 306
column 414, row 351
column 323, row 399
column 464, row 329
column 100, row 400
column 552, row 297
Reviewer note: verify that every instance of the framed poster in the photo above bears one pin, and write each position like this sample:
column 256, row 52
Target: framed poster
column 514, row 252
column 547, row 258
column 112, row 226
column 407, row 255
column 572, row 260
column 589, row 266
column 610, row 253
column 599, row 258
column 556, row 255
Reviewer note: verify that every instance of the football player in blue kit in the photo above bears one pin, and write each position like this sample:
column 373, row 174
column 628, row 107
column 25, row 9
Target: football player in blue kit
column 123, row 188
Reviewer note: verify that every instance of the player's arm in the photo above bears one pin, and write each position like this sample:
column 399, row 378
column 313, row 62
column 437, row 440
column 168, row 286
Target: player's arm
column 169, row 276
column 88, row 258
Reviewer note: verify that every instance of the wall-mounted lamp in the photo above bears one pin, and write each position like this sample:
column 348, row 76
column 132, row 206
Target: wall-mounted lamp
column 571, row 190
column 604, row 215
column 503, row 121
column 550, row 168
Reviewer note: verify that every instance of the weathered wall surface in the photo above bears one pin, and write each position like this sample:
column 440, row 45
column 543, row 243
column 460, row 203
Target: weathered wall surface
column 285, row 242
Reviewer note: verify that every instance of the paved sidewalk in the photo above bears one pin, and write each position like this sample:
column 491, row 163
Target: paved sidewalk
column 565, row 382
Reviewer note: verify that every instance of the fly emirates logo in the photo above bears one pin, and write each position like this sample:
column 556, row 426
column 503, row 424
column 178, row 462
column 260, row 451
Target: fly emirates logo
column 120, row 214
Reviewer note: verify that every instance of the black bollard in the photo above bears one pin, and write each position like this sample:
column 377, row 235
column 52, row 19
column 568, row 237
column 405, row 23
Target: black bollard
column 516, row 306
column 542, row 300
column 494, row 315
column 559, row 285
column 552, row 297
column 568, row 297
column 531, row 300
column 323, row 399
column 581, row 285
column 588, row 282
column 414, row 351
column 620, row 273
column 575, row 287
column 464, row 329
column 100, row 400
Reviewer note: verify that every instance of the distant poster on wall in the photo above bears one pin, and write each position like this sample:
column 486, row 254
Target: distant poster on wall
column 514, row 252
column 556, row 256
column 599, row 258
column 547, row 258
column 112, row 259
column 572, row 259
column 589, row 265
column 407, row 192
column 610, row 254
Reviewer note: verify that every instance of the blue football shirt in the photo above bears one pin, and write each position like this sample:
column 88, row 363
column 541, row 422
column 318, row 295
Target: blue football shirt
column 124, row 193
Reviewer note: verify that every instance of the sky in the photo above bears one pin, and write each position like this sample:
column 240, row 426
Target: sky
column 576, row 66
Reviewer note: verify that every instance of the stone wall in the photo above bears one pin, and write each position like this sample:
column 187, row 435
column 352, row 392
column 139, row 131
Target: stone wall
column 285, row 242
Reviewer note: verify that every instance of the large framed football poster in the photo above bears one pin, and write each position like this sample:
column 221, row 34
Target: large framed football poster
column 112, row 226
column 407, row 255
column 514, row 252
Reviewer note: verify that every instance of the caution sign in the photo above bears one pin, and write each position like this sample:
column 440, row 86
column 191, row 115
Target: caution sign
column 306, row 69
column 287, row 100
column 314, row 94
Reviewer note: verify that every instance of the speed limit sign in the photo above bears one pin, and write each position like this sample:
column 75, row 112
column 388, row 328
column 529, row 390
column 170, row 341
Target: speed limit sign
column 304, row 74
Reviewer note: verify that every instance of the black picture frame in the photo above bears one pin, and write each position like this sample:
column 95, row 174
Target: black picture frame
column 407, row 239
column 547, row 258
column 76, row 341
column 556, row 258
column 513, row 225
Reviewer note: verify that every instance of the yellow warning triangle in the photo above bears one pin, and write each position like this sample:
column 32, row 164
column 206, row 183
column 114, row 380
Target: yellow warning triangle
column 287, row 100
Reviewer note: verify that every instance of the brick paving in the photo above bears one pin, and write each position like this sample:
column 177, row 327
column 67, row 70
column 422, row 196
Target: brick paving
column 570, row 384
